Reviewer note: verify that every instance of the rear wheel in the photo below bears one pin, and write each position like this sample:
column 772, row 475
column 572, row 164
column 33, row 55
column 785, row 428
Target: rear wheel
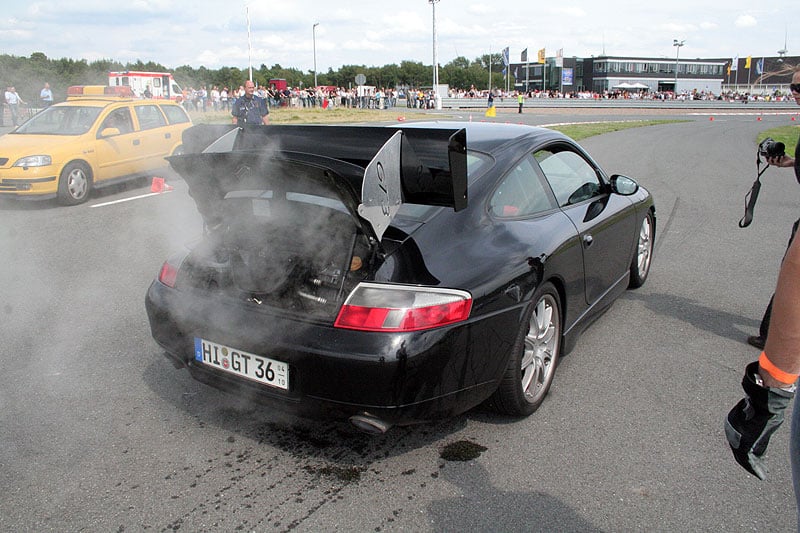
column 74, row 184
column 640, row 264
column 533, row 362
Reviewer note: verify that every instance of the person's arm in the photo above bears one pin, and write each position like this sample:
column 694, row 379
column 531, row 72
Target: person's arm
column 780, row 363
column 769, row 384
column 264, row 112
column 782, row 161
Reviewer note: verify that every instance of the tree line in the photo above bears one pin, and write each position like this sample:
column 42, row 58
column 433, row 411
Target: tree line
column 29, row 74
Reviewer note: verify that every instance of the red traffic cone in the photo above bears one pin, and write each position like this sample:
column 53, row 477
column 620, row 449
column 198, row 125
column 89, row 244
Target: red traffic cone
column 157, row 185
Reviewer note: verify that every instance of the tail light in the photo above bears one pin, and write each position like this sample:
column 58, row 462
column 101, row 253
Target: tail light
column 383, row 307
column 168, row 274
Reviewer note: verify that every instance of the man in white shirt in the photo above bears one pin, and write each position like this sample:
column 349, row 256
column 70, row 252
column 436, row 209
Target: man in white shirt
column 13, row 100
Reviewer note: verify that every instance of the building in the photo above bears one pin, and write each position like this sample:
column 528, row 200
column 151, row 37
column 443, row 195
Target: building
column 614, row 73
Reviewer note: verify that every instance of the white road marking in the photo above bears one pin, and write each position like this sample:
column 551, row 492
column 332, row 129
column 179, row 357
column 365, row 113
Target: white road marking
column 129, row 199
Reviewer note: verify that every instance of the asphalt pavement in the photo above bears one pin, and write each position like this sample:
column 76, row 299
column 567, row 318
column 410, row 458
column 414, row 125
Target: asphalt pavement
column 99, row 432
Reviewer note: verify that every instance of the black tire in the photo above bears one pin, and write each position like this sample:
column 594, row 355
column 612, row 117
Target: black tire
column 533, row 362
column 74, row 184
column 643, row 255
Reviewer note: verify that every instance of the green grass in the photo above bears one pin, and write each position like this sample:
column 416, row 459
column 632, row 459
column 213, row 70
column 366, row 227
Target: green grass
column 285, row 115
column 582, row 131
column 785, row 134
column 340, row 115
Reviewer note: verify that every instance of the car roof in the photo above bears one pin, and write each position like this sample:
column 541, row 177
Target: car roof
column 100, row 101
column 490, row 137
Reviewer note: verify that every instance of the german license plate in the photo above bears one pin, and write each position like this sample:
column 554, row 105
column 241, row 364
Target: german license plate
column 244, row 364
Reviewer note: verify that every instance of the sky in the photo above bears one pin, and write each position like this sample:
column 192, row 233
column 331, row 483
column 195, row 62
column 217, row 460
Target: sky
column 214, row 34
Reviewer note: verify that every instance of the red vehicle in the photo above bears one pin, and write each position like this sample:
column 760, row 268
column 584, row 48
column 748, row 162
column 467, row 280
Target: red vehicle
column 277, row 84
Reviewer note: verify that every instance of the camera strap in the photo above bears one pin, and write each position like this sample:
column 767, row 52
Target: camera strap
column 752, row 195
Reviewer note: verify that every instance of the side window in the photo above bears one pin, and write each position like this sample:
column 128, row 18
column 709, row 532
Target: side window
column 175, row 114
column 149, row 117
column 571, row 177
column 120, row 119
column 521, row 193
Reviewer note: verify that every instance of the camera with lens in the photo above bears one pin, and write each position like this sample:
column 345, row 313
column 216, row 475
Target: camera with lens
column 769, row 148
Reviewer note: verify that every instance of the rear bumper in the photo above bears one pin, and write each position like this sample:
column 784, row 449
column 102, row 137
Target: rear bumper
column 336, row 373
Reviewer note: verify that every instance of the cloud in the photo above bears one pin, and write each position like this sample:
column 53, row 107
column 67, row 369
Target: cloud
column 745, row 21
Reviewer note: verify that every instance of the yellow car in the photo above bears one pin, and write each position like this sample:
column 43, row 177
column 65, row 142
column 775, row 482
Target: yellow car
column 98, row 137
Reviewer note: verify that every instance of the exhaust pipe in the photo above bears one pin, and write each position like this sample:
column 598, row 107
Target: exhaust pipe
column 369, row 424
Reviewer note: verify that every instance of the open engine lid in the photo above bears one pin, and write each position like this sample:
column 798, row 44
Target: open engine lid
column 373, row 170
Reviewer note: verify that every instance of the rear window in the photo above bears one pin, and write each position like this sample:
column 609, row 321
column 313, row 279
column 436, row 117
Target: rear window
column 175, row 114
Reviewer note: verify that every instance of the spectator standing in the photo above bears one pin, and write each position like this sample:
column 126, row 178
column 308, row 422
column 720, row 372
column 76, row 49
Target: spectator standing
column 46, row 95
column 215, row 98
column 223, row 98
column 13, row 100
column 520, row 101
column 250, row 109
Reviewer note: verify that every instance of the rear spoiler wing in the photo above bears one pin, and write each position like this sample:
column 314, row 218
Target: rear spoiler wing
column 431, row 165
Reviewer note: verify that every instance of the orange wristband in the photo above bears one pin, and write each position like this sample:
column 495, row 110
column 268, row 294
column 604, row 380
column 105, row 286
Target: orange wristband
column 784, row 377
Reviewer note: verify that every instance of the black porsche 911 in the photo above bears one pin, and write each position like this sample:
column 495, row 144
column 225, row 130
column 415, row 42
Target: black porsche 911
column 393, row 275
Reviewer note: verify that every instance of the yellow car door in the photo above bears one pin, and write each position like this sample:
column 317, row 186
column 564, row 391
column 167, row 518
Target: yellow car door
column 118, row 145
column 157, row 138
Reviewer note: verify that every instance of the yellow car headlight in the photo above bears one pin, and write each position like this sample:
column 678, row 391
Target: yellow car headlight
column 34, row 161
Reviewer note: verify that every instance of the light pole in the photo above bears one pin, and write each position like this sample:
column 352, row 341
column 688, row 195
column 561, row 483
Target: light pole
column 435, row 60
column 249, row 46
column 314, row 44
column 677, row 44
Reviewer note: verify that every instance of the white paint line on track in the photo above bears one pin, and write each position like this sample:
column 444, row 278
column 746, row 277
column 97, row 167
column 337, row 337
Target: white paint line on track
column 129, row 199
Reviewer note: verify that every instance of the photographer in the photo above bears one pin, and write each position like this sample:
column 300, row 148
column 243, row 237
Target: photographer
column 759, row 341
column 770, row 383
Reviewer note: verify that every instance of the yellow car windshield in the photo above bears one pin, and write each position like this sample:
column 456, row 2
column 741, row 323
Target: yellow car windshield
column 61, row 120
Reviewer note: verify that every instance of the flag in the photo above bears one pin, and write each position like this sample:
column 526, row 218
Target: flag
column 516, row 72
column 760, row 66
column 560, row 57
column 491, row 112
column 729, row 69
column 541, row 55
column 747, row 62
column 524, row 56
column 735, row 63
column 505, row 56
column 504, row 71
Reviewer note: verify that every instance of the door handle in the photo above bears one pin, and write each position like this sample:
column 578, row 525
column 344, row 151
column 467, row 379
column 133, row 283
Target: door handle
column 168, row 136
column 587, row 240
column 136, row 142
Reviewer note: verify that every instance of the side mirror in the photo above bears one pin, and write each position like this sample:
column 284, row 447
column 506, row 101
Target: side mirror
column 623, row 185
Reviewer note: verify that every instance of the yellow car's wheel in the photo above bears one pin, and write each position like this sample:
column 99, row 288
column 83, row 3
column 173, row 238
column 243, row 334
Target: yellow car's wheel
column 74, row 184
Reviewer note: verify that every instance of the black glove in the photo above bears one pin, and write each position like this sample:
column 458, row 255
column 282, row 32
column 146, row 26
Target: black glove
column 753, row 420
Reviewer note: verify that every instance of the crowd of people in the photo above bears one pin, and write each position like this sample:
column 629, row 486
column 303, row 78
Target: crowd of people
column 623, row 94
column 221, row 99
